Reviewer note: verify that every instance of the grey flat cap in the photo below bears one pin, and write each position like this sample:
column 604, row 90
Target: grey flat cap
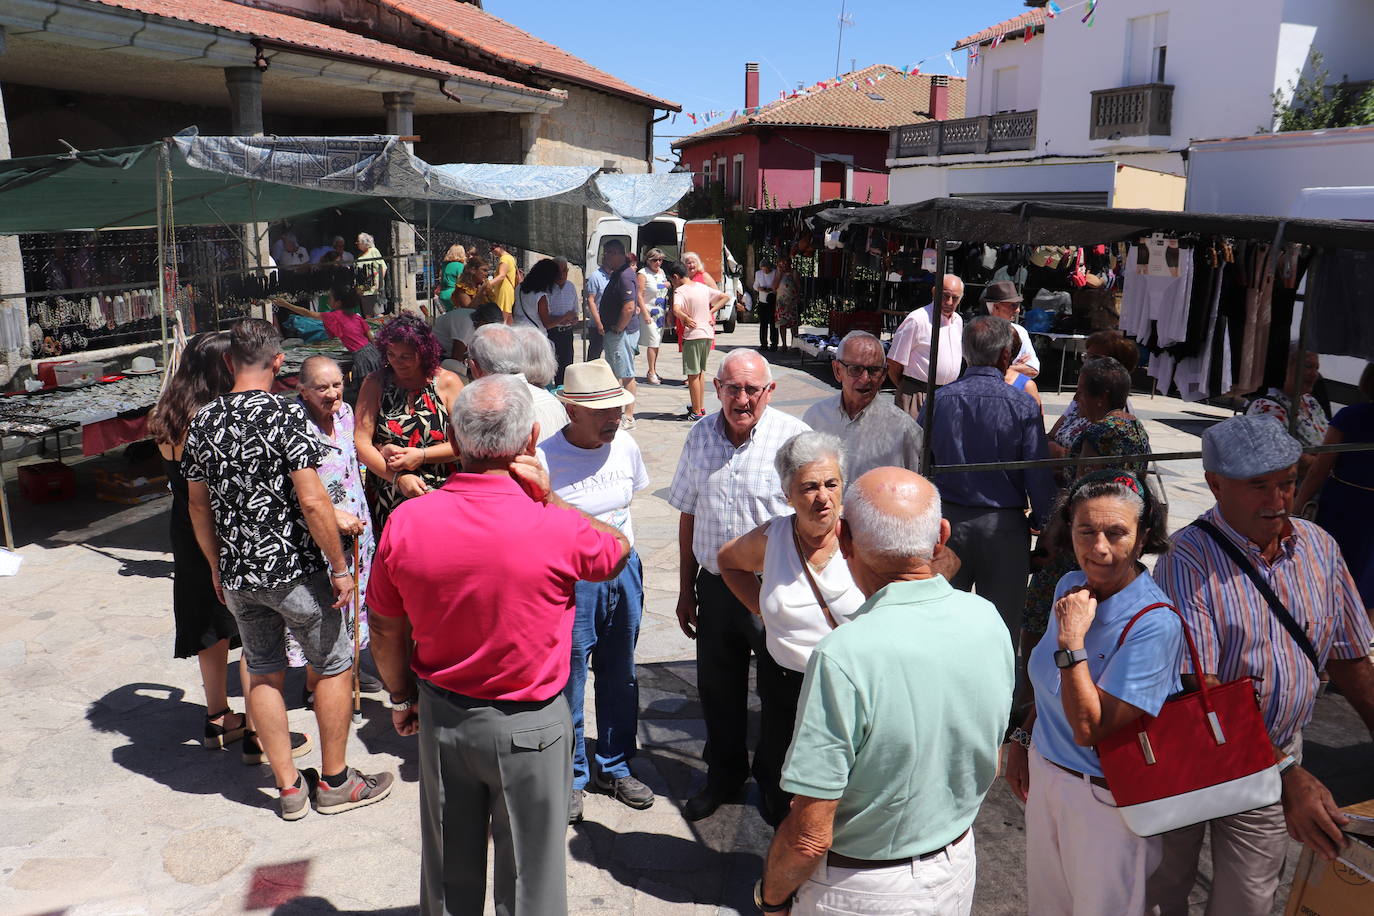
column 1248, row 446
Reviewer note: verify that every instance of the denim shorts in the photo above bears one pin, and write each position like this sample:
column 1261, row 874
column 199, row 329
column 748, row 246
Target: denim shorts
column 620, row 353
column 303, row 606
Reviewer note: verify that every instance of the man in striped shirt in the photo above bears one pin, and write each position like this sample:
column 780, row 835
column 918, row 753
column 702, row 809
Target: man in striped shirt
column 1251, row 466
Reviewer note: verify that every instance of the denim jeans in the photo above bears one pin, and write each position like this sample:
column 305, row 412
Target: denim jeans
column 605, row 632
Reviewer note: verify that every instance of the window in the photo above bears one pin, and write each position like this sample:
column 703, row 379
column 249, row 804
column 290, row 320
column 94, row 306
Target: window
column 1147, row 39
column 720, row 172
column 737, row 186
column 1004, row 89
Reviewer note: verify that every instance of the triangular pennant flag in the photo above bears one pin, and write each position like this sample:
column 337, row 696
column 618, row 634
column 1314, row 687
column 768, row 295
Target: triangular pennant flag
column 1030, row 31
column 1088, row 17
column 997, row 40
column 674, row 120
column 1052, row 9
column 693, row 117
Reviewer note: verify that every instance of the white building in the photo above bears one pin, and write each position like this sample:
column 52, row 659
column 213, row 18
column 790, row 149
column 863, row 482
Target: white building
column 1104, row 115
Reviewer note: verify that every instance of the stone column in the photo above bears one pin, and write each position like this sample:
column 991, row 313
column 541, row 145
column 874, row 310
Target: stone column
column 245, row 120
column 14, row 311
column 400, row 121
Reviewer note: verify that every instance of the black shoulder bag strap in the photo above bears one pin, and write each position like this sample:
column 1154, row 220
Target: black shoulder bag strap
column 1275, row 604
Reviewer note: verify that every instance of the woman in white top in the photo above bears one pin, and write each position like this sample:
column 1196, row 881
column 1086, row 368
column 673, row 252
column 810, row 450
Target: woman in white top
column 653, row 305
column 532, row 298
column 806, row 591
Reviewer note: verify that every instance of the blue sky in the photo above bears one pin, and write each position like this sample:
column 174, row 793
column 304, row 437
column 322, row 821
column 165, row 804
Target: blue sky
column 694, row 53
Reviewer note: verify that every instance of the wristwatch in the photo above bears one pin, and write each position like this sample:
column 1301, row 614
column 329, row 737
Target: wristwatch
column 768, row 907
column 403, row 705
column 1067, row 658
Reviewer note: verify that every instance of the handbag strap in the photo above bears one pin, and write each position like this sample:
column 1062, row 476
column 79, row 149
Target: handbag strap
column 810, row 580
column 1187, row 638
column 1267, row 591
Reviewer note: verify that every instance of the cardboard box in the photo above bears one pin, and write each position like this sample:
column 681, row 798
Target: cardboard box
column 1341, row 888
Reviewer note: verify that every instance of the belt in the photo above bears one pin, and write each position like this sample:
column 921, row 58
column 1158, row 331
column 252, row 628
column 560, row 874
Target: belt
column 1095, row 780
column 843, row 861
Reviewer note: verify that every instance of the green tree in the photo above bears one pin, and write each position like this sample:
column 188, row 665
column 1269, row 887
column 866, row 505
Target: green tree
column 1313, row 102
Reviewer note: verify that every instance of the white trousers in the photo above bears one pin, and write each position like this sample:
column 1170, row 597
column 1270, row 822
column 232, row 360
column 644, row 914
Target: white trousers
column 937, row 885
column 1081, row 858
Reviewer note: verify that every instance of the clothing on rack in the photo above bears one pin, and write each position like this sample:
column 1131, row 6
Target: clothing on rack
column 1339, row 320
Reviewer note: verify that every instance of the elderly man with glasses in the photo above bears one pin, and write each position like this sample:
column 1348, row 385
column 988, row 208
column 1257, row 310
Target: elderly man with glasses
column 875, row 433
column 725, row 486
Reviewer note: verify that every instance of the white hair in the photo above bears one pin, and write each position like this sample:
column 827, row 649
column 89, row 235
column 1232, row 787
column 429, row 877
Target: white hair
column 366, row 239
column 313, row 364
column 894, row 537
column 540, row 364
column 858, row 335
column 807, row 448
column 496, row 350
column 492, row 418
column 743, row 353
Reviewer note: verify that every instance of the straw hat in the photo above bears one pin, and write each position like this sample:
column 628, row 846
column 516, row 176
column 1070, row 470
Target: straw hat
column 594, row 385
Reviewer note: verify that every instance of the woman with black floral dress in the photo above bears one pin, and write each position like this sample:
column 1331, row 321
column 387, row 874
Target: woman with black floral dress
column 403, row 418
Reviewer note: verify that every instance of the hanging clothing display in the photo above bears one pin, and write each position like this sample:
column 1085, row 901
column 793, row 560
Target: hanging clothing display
column 1339, row 320
column 1158, row 278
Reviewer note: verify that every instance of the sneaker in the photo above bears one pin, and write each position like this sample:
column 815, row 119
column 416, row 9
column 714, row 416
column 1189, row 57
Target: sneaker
column 626, row 790
column 358, row 790
column 253, row 754
column 653, row 379
column 627, row 423
column 370, row 683
column 575, row 806
column 294, row 802
column 693, row 417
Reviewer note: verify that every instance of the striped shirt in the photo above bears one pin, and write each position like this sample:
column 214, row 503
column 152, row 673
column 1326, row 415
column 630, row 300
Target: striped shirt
column 730, row 491
column 1236, row 631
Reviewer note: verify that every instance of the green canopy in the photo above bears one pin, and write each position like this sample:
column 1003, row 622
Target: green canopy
column 114, row 188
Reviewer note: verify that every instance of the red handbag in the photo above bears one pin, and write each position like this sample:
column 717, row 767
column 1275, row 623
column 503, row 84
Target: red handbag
column 1206, row 755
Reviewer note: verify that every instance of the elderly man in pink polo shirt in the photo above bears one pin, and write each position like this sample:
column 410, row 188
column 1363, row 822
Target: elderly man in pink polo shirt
column 491, row 631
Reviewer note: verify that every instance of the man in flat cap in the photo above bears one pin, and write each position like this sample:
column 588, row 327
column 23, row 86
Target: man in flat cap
column 1311, row 619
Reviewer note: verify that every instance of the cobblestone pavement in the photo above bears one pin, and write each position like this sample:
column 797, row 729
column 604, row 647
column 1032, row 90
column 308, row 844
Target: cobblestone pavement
column 110, row 807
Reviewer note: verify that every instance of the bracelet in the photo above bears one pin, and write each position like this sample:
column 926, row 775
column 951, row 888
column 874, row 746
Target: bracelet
column 403, row 705
column 345, row 574
column 422, row 454
column 1020, row 736
column 764, row 907
column 1288, row 761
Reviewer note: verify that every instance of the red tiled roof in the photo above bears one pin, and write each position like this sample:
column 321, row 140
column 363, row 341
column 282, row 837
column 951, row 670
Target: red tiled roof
column 315, row 36
column 904, row 100
column 1013, row 26
column 484, row 33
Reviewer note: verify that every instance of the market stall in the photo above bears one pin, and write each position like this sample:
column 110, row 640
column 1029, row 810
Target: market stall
column 1272, row 252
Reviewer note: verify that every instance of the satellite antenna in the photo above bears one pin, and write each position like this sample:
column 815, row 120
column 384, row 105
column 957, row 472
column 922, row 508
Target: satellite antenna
column 845, row 20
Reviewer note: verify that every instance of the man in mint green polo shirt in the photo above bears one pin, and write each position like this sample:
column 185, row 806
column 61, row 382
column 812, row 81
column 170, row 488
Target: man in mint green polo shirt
column 898, row 730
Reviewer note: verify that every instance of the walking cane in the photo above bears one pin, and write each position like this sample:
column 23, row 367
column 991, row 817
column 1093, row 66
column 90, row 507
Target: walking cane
column 357, row 639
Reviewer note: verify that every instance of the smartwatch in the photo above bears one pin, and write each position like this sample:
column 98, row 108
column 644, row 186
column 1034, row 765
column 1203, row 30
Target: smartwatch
column 1067, row 658
column 768, row 907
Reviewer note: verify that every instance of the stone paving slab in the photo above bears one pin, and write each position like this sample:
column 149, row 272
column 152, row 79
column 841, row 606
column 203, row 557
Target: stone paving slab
column 112, row 809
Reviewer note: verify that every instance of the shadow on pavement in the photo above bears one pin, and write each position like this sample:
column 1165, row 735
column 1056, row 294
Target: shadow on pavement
column 159, row 722
column 307, row 906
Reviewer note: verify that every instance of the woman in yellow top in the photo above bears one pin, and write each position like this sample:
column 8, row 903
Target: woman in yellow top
column 503, row 280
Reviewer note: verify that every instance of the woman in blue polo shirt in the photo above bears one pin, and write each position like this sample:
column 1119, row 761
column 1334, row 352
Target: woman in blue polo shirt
column 1080, row 856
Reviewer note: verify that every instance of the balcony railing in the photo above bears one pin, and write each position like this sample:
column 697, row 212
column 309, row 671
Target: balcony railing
column 1012, row 130
column 1132, row 111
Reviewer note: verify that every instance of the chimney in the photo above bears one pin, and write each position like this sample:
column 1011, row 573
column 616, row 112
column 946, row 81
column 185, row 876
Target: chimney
column 939, row 98
column 751, row 85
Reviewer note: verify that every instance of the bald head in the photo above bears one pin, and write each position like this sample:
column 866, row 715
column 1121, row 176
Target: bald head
column 745, row 360
column 893, row 517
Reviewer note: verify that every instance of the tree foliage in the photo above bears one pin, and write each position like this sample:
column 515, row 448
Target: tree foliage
column 1313, row 102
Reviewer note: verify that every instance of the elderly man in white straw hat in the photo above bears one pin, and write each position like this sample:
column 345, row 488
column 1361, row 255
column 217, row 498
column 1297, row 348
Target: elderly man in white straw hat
column 597, row 467
column 1269, row 596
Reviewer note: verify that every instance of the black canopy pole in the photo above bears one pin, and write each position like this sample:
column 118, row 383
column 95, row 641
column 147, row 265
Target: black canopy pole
column 933, row 366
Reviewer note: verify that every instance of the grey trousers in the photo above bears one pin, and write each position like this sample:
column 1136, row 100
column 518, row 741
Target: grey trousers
column 498, row 767
column 993, row 546
column 1249, row 851
column 911, row 395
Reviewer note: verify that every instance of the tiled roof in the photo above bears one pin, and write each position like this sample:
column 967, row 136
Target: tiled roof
column 469, row 25
column 903, row 100
column 1012, row 27
column 315, row 36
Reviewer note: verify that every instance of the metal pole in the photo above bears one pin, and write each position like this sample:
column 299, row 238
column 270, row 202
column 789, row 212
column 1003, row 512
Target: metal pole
column 163, row 194
column 933, row 369
column 5, row 509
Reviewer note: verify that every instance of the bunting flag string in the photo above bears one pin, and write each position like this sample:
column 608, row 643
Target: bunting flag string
column 1052, row 9
column 1091, row 15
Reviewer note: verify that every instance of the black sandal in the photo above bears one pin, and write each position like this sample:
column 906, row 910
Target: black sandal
column 217, row 737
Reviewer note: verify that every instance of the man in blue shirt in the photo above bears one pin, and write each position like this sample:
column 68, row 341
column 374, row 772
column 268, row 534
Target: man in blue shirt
column 981, row 419
column 595, row 286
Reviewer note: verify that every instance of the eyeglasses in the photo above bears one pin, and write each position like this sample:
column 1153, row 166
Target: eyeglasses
column 855, row 371
column 750, row 391
column 655, row 260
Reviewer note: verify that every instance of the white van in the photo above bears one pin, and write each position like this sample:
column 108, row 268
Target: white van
column 667, row 233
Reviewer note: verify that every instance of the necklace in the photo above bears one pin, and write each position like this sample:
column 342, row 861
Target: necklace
column 805, row 551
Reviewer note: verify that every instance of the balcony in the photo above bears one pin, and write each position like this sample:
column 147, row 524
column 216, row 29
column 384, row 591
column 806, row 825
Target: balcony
column 1132, row 111
column 997, row 133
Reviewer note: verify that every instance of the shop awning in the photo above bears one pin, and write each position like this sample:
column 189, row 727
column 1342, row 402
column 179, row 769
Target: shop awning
column 261, row 179
column 999, row 221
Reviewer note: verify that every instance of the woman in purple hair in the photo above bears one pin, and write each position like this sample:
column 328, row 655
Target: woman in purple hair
column 403, row 417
